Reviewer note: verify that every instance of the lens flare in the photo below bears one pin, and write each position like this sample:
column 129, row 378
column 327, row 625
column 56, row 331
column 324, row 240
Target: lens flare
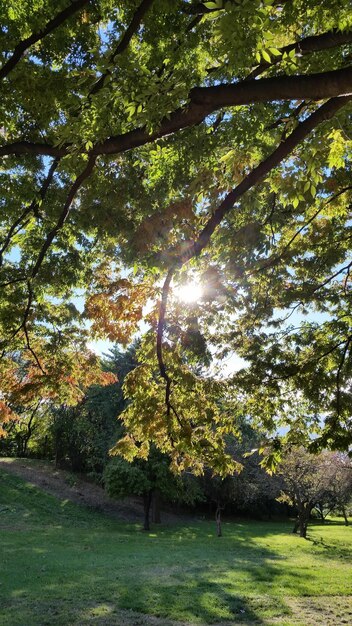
column 189, row 292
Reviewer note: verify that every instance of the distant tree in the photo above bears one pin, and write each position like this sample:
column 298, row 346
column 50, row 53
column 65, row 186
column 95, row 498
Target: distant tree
column 251, row 488
column 306, row 482
column 339, row 471
column 219, row 491
column 83, row 434
column 148, row 479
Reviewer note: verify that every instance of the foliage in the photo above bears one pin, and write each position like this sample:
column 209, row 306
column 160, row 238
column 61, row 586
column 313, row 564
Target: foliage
column 150, row 478
column 145, row 140
column 79, row 435
column 123, row 479
column 251, row 489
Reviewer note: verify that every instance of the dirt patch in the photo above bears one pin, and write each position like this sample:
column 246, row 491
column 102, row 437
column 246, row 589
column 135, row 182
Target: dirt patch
column 67, row 486
column 327, row 610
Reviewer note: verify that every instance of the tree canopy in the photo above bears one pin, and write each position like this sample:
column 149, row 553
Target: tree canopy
column 147, row 144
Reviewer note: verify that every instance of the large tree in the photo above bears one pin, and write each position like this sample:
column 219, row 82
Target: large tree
column 148, row 143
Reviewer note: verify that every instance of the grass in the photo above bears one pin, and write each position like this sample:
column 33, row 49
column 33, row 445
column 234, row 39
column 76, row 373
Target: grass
column 62, row 565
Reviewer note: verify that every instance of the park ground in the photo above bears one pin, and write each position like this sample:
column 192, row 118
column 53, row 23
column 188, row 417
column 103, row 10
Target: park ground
column 70, row 557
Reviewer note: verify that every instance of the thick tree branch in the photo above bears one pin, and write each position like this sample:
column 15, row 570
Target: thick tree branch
column 325, row 112
column 306, row 86
column 315, row 43
column 30, row 147
column 51, row 25
column 206, row 100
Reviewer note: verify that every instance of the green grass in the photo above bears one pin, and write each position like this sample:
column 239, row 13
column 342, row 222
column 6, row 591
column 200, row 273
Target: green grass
column 63, row 565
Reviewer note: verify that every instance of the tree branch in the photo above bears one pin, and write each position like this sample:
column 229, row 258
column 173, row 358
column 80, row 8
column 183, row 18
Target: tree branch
column 325, row 112
column 23, row 45
column 33, row 207
column 64, row 214
column 315, row 43
column 31, row 147
column 159, row 338
column 338, row 374
column 206, row 100
column 126, row 38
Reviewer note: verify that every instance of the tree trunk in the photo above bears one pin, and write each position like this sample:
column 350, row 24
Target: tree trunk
column 303, row 524
column 345, row 516
column 218, row 521
column 147, row 500
column 156, row 507
column 303, row 517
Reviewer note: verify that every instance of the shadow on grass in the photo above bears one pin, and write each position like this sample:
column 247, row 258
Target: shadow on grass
column 66, row 574
column 186, row 575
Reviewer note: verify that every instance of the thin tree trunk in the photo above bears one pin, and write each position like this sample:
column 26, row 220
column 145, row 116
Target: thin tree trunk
column 218, row 520
column 147, row 500
column 345, row 516
column 320, row 512
column 303, row 528
column 156, row 507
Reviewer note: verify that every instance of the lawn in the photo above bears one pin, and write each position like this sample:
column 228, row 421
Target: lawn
column 62, row 564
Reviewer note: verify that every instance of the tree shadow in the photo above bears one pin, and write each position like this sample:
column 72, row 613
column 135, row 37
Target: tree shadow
column 185, row 573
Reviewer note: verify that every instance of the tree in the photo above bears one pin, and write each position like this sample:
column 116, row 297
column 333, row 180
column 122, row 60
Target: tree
column 250, row 488
column 339, row 473
column 308, row 482
column 149, row 478
column 145, row 144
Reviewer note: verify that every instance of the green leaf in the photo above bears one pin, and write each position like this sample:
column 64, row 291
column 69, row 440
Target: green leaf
column 275, row 52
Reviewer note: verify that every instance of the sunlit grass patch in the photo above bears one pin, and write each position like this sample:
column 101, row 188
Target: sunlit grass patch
column 64, row 564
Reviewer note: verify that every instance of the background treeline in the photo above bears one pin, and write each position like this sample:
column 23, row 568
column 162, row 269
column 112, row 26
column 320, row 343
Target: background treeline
column 80, row 438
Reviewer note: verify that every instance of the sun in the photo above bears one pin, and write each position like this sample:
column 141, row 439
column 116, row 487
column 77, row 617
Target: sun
column 189, row 292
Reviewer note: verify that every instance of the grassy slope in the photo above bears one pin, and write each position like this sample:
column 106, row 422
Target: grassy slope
column 62, row 564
